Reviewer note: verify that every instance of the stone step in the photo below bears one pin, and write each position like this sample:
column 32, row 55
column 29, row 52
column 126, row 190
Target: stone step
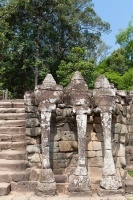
column 5, row 188
column 12, row 165
column 12, row 116
column 12, row 138
column 12, row 155
column 12, row 130
column 24, row 186
column 12, row 145
column 5, row 137
column 19, row 103
column 12, row 110
column 7, row 176
column 129, row 185
column 12, row 123
column 60, row 178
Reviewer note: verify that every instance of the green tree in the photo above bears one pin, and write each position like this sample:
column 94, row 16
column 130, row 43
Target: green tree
column 37, row 35
column 125, row 39
column 77, row 61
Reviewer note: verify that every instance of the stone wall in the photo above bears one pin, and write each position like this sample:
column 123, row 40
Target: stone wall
column 53, row 136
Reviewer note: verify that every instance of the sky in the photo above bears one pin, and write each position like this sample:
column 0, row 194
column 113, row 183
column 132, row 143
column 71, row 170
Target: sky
column 118, row 13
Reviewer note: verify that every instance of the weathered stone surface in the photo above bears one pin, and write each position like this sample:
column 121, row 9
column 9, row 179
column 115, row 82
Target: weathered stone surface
column 44, row 189
column 65, row 146
column 33, row 131
column 60, row 178
column 35, row 157
column 19, row 176
column 4, row 189
column 104, row 193
column 33, row 122
column 79, row 184
column 91, row 154
column 96, row 162
column 18, row 146
column 12, row 116
column 13, row 165
column 111, row 182
column 96, row 174
column 68, row 136
column 24, row 186
column 46, row 176
column 12, row 123
column 33, row 149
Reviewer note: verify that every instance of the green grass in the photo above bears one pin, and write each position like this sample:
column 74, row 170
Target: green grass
column 130, row 173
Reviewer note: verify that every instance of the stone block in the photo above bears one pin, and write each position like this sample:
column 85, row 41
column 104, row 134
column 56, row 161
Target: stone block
column 4, row 177
column 122, row 139
column 99, row 153
column 5, row 145
column 65, row 146
column 31, row 109
column 18, row 146
column 106, row 193
column 34, row 174
column 12, row 123
column 60, row 178
column 117, row 138
column 95, row 174
column 124, row 129
column 33, row 131
column 46, row 176
column 92, row 136
column 12, row 130
column 89, row 146
column 98, row 128
column 18, row 137
column 32, row 115
column 121, row 151
column 68, row 136
column 33, row 122
column 59, row 171
column 44, row 189
column 91, row 154
column 33, row 149
column 19, row 176
column 4, row 188
column 79, row 184
column 116, row 128
column 35, row 157
column 30, row 140
column 96, row 162
column 97, row 145
column 130, row 129
column 24, row 186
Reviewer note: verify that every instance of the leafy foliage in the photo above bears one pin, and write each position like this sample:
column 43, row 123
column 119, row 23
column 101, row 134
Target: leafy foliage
column 77, row 61
column 36, row 35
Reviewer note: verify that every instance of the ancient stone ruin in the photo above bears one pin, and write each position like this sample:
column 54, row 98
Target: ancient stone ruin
column 67, row 140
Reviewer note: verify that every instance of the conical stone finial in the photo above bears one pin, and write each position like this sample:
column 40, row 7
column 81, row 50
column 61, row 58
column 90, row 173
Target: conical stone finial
column 49, row 81
column 77, row 76
column 102, row 82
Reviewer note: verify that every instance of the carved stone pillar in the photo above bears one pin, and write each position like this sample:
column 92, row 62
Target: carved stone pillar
column 81, row 120
column 110, row 179
column 47, row 96
column 77, row 95
column 104, row 103
column 80, row 180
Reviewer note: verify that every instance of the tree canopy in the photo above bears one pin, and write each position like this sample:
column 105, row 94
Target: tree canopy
column 36, row 35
